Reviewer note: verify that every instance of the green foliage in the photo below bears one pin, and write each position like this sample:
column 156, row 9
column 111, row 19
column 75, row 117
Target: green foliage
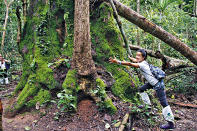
column 188, row 6
column 66, row 102
column 29, row 90
column 106, row 102
column 42, row 97
column 68, row 97
column 170, row 17
column 10, row 47
column 185, row 82
column 69, row 19
column 107, row 40
column 59, row 62
column 71, row 80
column 109, row 43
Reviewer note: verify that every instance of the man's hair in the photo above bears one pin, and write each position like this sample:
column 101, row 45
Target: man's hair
column 144, row 53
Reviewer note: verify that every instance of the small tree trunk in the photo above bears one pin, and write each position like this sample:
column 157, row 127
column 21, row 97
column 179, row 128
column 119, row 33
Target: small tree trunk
column 19, row 28
column 138, row 33
column 195, row 8
column 24, row 10
column 5, row 23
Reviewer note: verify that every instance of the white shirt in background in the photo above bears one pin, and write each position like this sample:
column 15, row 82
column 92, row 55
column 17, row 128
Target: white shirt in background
column 2, row 65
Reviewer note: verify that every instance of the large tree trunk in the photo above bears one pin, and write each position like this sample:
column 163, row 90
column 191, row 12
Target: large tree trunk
column 47, row 45
column 156, row 31
column 82, row 57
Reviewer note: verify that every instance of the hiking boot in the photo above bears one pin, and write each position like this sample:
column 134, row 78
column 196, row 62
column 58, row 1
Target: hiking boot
column 169, row 125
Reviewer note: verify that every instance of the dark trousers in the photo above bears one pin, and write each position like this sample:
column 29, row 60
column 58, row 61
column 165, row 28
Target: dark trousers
column 160, row 93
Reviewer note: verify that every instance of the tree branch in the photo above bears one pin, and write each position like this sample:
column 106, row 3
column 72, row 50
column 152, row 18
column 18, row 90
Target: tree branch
column 168, row 62
column 120, row 27
column 19, row 27
column 155, row 30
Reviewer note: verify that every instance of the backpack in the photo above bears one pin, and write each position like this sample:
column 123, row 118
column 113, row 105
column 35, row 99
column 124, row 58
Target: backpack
column 7, row 65
column 158, row 73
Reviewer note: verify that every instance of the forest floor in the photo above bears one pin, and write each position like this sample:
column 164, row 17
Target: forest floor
column 89, row 118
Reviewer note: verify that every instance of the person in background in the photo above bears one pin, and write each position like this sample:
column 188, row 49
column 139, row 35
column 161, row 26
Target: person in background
column 152, row 83
column 4, row 66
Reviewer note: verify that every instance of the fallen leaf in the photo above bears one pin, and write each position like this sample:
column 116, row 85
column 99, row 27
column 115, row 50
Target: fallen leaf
column 9, row 121
column 107, row 126
column 35, row 121
column 107, row 117
column 27, row 128
column 117, row 124
column 172, row 96
column 37, row 105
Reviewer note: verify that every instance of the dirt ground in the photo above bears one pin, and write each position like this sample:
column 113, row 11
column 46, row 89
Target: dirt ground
column 89, row 118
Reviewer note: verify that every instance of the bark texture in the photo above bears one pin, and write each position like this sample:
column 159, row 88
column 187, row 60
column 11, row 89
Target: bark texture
column 156, row 31
column 82, row 57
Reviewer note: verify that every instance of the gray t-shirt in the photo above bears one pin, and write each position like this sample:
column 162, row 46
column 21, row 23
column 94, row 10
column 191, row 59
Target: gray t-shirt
column 145, row 70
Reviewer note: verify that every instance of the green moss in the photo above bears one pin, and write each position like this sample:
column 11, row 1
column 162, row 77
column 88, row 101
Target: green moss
column 71, row 80
column 23, row 81
column 69, row 18
column 41, row 97
column 106, row 102
column 109, row 106
column 109, row 43
column 45, row 77
column 100, row 83
column 107, row 40
column 30, row 90
column 69, row 96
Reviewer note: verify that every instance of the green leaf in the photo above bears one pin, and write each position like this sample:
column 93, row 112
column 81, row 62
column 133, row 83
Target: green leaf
column 50, row 64
column 59, row 95
column 72, row 105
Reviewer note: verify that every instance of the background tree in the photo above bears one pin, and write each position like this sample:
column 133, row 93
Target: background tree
column 8, row 4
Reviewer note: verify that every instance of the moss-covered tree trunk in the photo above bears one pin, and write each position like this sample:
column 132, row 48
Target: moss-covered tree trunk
column 47, row 43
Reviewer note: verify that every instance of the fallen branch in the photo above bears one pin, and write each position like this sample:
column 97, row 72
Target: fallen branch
column 185, row 105
column 125, row 119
